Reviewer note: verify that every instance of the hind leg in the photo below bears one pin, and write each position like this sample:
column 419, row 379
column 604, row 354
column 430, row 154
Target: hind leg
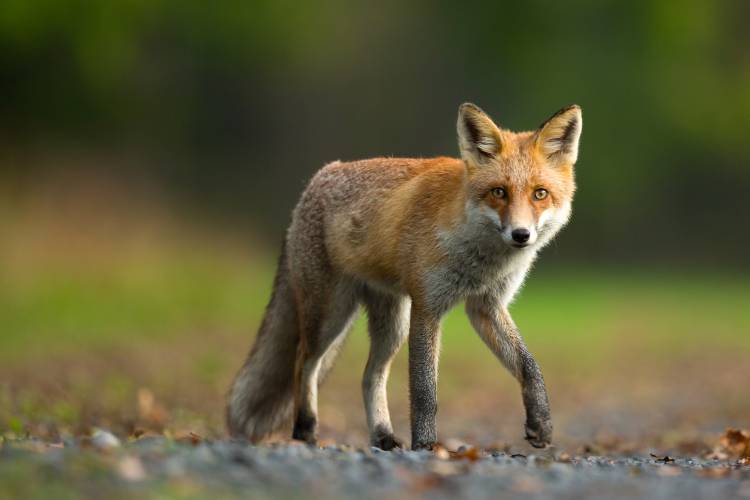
column 388, row 321
column 324, row 320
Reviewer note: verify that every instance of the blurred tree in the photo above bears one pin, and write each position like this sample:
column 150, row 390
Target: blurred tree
column 235, row 103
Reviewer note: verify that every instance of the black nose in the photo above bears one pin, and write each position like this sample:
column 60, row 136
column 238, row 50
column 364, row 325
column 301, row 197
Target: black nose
column 521, row 235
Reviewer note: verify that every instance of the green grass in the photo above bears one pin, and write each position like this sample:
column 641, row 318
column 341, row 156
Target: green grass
column 78, row 343
column 575, row 311
column 56, row 309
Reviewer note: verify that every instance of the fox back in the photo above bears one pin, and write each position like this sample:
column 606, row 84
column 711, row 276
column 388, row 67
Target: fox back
column 392, row 221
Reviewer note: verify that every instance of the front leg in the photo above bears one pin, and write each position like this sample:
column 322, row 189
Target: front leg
column 496, row 328
column 424, row 340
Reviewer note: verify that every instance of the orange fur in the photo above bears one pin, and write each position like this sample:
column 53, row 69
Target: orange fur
column 408, row 239
column 399, row 244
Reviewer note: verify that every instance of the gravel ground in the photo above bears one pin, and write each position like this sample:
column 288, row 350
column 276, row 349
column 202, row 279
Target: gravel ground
column 159, row 467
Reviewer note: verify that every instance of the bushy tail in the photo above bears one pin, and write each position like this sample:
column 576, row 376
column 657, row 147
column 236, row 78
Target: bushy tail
column 262, row 396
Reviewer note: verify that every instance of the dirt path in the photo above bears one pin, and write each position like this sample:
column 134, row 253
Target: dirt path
column 158, row 467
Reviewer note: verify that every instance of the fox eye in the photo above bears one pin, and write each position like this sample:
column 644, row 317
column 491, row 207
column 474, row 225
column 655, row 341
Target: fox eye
column 540, row 194
column 498, row 192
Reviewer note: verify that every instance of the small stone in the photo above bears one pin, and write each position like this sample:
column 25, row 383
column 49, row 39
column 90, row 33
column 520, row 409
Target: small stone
column 131, row 468
column 104, row 440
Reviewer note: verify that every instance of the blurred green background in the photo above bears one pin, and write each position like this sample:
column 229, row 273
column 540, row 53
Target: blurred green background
column 151, row 152
column 233, row 105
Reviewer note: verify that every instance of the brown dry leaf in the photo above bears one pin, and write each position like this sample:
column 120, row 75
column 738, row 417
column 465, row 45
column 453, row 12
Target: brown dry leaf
column 734, row 443
column 471, row 454
column 666, row 459
column 189, row 437
column 326, row 442
column 734, row 437
column 144, row 433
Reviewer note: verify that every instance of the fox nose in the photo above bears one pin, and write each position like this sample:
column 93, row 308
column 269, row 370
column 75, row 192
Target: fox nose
column 521, row 235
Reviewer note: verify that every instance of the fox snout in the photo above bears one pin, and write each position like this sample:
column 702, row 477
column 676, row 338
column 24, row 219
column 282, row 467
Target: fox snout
column 519, row 236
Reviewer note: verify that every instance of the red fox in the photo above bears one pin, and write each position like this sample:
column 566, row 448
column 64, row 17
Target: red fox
column 408, row 239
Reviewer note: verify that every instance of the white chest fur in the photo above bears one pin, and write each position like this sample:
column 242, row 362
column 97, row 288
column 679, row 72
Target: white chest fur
column 476, row 262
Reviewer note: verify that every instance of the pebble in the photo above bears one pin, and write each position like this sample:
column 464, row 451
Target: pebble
column 235, row 469
column 104, row 440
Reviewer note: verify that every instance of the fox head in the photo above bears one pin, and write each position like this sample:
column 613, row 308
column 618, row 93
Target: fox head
column 520, row 184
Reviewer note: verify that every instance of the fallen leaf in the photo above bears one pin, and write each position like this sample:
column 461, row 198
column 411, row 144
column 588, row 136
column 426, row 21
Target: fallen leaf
column 666, row 459
column 326, row 442
column 734, row 443
column 463, row 453
column 734, row 437
column 144, row 433
column 737, row 441
column 188, row 437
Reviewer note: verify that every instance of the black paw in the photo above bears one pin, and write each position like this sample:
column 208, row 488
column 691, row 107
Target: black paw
column 307, row 437
column 539, row 434
column 386, row 442
column 305, row 429
column 423, row 446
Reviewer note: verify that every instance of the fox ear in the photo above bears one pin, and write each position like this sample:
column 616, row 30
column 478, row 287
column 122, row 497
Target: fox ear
column 557, row 138
column 478, row 137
